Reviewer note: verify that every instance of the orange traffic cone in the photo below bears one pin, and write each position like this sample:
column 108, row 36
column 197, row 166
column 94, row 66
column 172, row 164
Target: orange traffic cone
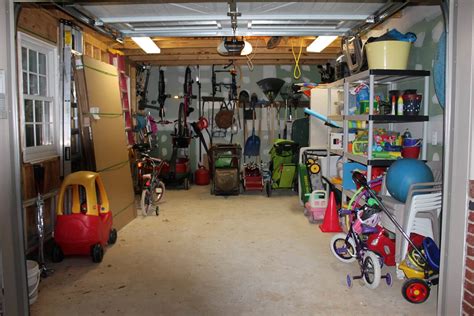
column 331, row 219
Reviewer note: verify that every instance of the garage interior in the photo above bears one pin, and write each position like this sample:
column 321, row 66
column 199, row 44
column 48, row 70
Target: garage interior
column 213, row 158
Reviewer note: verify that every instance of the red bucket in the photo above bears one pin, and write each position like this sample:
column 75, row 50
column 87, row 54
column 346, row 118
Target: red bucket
column 411, row 152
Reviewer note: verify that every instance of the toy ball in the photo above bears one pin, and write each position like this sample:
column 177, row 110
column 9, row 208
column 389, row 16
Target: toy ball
column 405, row 172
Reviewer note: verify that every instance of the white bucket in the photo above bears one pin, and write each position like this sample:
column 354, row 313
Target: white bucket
column 34, row 277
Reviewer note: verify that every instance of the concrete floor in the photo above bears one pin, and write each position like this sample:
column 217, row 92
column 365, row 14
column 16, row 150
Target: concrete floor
column 207, row 255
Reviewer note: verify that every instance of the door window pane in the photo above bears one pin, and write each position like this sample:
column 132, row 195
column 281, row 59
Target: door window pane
column 42, row 85
column 29, row 111
column 42, row 63
column 39, row 134
column 24, row 58
column 33, row 61
column 33, row 84
column 38, row 111
column 29, row 135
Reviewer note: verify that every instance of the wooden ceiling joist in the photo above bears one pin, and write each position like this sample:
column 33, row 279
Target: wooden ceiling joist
column 182, row 51
column 224, row 61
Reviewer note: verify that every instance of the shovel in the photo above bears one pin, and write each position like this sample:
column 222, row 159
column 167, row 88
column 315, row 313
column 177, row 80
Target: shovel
column 252, row 145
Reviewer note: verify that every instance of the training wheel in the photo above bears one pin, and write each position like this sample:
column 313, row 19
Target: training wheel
column 388, row 279
column 349, row 281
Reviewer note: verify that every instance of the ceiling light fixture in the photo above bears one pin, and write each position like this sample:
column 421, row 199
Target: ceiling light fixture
column 320, row 43
column 147, row 45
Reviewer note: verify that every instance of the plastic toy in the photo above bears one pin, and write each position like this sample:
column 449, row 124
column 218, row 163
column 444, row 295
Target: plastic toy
column 352, row 246
column 316, row 206
column 422, row 266
column 83, row 218
column 405, row 172
column 421, row 272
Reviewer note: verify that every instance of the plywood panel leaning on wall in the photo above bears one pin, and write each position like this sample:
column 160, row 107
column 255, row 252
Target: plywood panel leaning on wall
column 110, row 146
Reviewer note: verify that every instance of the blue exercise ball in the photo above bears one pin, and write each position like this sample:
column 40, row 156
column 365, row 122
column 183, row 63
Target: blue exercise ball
column 403, row 173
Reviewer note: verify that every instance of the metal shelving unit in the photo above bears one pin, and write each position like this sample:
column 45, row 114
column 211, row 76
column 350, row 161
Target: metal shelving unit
column 374, row 77
column 389, row 78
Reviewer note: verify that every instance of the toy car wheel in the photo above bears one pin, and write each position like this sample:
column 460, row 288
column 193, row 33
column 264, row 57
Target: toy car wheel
column 415, row 291
column 97, row 253
column 314, row 168
column 112, row 236
column 371, row 270
column 268, row 188
column 343, row 250
column 57, row 254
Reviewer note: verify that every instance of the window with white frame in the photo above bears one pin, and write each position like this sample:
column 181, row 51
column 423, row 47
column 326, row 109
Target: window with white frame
column 38, row 103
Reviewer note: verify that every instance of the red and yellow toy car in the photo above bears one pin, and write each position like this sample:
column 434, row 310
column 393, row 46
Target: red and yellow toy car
column 83, row 218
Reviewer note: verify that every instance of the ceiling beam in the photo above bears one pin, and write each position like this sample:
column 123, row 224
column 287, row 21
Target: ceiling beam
column 212, row 42
column 212, row 50
column 236, row 62
column 211, row 57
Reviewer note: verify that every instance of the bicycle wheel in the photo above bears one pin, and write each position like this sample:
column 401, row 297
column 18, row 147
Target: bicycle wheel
column 181, row 120
column 146, row 201
column 136, row 177
column 343, row 250
column 372, row 270
column 161, row 86
column 188, row 83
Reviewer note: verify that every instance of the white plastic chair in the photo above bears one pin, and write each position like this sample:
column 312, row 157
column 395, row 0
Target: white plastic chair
column 420, row 214
column 423, row 216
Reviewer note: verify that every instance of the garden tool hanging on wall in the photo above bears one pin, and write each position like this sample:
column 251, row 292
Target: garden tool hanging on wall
column 271, row 87
column 252, row 145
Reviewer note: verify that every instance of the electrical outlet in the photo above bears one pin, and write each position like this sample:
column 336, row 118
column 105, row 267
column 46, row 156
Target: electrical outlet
column 434, row 138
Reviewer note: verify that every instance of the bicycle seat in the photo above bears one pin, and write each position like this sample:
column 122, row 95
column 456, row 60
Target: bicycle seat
column 141, row 147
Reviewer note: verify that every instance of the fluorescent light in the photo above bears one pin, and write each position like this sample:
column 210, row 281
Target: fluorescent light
column 247, row 49
column 320, row 43
column 147, row 45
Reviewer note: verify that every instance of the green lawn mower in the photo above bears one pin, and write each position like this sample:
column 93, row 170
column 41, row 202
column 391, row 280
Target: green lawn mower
column 283, row 166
